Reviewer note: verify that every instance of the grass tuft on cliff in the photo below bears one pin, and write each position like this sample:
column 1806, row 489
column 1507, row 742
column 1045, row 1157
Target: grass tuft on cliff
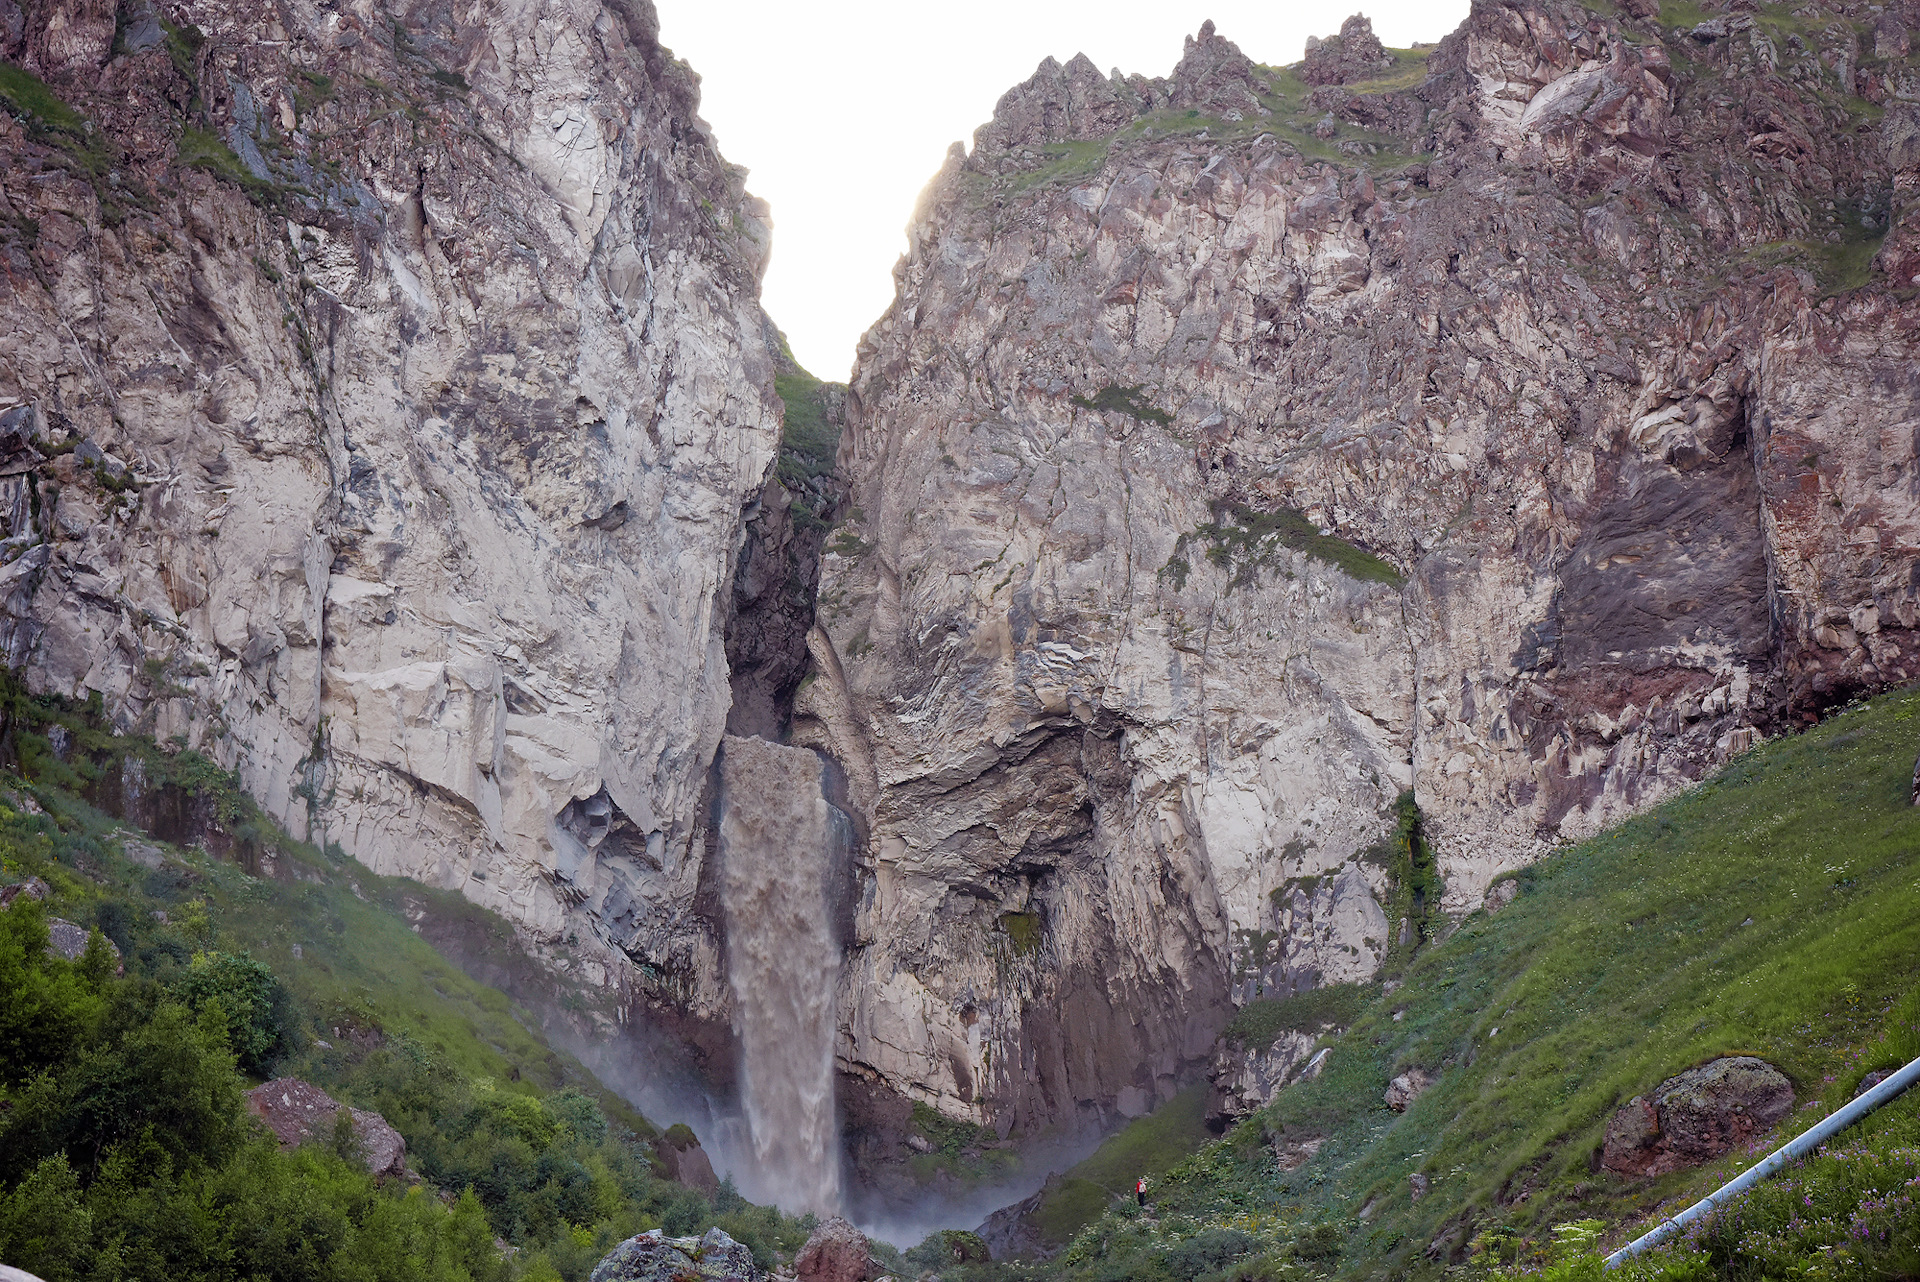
column 809, row 441
column 1244, row 541
column 1769, row 911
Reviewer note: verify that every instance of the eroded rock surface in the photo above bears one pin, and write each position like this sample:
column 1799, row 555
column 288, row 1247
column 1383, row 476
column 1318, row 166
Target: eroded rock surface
column 835, row 1252
column 381, row 387
column 1534, row 435
column 299, row 1112
column 1696, row 1116
column 654, row 1257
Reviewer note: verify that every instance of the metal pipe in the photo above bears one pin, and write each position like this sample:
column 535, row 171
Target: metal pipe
column 1793, row 1149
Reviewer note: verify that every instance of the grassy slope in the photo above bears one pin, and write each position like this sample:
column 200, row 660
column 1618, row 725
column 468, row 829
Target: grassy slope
column 1774, row 910
column 359, row 976
column 360, row 965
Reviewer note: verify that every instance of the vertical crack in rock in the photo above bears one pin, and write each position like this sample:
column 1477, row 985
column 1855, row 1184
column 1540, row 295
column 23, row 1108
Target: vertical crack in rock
column 778, row 840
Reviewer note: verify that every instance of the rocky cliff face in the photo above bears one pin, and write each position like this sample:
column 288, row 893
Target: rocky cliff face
column 1529, row 422
column 383, row 388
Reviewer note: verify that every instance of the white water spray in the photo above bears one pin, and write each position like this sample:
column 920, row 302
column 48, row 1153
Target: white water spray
column 776, row 856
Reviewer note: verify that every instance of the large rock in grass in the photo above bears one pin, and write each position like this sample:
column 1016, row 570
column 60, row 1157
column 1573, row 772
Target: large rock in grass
column 1697, row 1116
column 1406, row 1088
column 654, row 1257
column 836, row 1252
column 299, row 1112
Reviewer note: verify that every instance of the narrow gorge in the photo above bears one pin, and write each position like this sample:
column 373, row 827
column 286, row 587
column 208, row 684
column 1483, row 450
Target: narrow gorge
column 1267, row 475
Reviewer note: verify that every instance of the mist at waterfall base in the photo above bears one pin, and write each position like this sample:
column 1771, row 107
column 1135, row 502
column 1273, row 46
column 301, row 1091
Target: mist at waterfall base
column 783, row 849
column 778, row 846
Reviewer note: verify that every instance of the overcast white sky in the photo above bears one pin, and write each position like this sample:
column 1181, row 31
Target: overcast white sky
column 843, row 109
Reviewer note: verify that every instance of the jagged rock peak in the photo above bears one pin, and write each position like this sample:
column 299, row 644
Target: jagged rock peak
column 1354, row 54
column 1057, row 103
column 1214, row 76
column 1076, row 101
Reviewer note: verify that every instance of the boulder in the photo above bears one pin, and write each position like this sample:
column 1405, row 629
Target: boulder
column 32, row 888
column 686, row 1162
column 836, row 1252
column 1354, row 54
column 69, row 940
column 654, row 1257
column 299, row 1112
column 1696, row 1116
column 1406, row 1088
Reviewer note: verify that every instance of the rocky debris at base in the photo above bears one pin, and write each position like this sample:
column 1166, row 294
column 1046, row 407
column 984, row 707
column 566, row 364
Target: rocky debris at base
column 1871, row 1080
column 1009, row 1235
column 299, row 1112
column 1406, row 1088
column 1696, row 1116
column 835, row 1252
column 654, row 1257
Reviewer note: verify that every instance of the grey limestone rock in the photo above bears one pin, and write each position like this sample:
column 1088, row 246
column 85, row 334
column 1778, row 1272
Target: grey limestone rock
column 654, row 1257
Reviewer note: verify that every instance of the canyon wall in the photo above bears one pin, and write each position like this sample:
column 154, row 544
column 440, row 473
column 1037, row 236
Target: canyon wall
column 385, row 388
column 1528, row 422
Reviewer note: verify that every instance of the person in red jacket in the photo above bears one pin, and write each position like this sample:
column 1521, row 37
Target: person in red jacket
column 1140, row 1191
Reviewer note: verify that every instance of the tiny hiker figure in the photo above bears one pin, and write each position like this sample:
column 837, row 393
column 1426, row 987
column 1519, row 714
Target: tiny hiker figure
column 1140, row 1191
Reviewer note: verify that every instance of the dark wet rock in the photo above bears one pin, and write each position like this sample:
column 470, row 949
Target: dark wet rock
column 1871, row 1080
column 686, row 1162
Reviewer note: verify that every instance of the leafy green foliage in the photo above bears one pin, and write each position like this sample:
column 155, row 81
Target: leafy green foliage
column 120, row 1118
column 1023, row 930
column 42, row 1009
column 257, row 1010
column 204, row 149
column 1414, row 886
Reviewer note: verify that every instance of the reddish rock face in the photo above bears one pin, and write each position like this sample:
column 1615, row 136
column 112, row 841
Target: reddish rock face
column 1585, row 334
column 1697, row 1116
column 298, row 1112
column 836, row 1252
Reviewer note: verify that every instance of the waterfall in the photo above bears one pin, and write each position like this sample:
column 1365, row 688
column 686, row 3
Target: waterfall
column 777, row 859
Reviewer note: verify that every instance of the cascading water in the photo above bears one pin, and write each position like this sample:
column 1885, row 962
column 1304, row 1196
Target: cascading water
column 778, row 840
